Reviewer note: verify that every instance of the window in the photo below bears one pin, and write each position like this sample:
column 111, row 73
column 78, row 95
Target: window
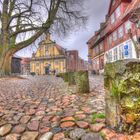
column 115, row 36
column 118, row 12
column 112, row 18
column 46, row 50
column 121, row 52
column 110, row 56
column 101, row 47
column 127, row 26
column 120, row 32
column 96, row 50
column 115, row 54
column 110, row 39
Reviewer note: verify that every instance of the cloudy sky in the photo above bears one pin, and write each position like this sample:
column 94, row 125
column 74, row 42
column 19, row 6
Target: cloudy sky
column 96, row 11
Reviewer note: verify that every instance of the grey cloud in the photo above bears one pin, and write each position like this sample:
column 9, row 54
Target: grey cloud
column 96, row 10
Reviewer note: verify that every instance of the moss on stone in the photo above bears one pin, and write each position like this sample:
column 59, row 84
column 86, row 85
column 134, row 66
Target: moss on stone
column 122, row 82
column 71, row 78
column 65, row 77
column 82, row 81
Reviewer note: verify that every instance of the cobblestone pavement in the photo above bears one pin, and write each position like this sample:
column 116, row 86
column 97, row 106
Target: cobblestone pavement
column 46, row 108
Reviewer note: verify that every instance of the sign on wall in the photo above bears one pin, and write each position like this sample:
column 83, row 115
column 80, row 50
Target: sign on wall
column 126, row 50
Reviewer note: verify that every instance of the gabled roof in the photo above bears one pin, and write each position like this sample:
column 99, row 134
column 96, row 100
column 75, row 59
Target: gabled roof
column 60, row 49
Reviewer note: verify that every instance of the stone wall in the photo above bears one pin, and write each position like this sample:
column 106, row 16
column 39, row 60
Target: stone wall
column 122, row 85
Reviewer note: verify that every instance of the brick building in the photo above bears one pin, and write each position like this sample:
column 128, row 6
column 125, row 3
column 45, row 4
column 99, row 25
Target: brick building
column 74, row 62
column 115, row 40
column 82, row 64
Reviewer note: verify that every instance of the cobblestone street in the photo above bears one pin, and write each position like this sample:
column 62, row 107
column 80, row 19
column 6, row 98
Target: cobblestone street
column 46, row 108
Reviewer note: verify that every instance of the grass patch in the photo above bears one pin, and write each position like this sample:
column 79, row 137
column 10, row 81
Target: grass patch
column 97, row 116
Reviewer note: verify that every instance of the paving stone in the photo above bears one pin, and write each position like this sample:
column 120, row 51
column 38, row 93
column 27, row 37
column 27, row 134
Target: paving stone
column 44, row 129
column 136, row 136
column 28, row 135
column 33, row 125
column 77, row 133
column 47, row 118
column 5, row 129
column 87, row 110
column 51, row 102
column 2, row 122
column 39, row 113
column 82, row 124
column 67, row 124
column 46, row 136
column 19, row 128
column 91, row 136
column 12, row 137
column 80, row 116
column 31, row 112
column 54, row 124
column 67, row 119
column 55, row 119
column 37, row 118
column 56, row 130
column 25, row 119
column 58, row 136
column 97, row 127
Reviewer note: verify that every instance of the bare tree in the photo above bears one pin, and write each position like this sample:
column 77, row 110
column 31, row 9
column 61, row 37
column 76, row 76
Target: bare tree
column 24, row 21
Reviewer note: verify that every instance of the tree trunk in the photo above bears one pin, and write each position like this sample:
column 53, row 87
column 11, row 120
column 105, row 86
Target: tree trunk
column 5, row 64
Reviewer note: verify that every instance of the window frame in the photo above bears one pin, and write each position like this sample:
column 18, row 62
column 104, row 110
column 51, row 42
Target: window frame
column 120, row 34
column 118, row 10
column 112, row 18
column 127, row 26
column 114, row 36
